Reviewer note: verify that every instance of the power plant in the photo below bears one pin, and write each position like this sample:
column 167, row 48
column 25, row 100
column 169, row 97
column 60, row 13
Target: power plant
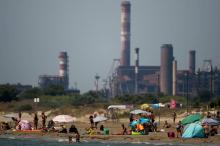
column 124, row 78
column 137, row 79
column 62, row 79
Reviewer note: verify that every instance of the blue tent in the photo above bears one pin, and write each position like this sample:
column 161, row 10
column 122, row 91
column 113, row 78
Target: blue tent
column 193, row 131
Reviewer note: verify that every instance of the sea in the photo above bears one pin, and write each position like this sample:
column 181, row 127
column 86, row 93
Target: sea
column 32, row 141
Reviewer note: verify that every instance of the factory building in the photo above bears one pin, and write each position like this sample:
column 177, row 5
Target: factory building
column 146, row 81
column 62, row 79
column 166, row 78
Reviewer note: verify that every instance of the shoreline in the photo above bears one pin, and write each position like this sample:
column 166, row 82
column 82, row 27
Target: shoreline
column 152, row 138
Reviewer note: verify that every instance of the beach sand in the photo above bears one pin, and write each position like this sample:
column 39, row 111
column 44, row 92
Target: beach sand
column 153, row 137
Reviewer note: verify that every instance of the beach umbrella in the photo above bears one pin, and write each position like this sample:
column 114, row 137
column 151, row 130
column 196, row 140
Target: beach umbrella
column 138, row 111
column 64, row 119
column 191, row 119
column 210, row 121
column 145, row 106
column 100, row 119
column 25, row 125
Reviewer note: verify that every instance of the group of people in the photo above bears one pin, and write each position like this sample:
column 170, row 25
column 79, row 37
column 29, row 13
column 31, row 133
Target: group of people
column 35, row 121
column 213, row 129
column 146, row 127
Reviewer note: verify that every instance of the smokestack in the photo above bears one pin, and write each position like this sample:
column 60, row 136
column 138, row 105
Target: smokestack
column 192, row 61
column 136, row 69
column 166, row 69
column 125, row 33
column 174, row 76
column 63, row 68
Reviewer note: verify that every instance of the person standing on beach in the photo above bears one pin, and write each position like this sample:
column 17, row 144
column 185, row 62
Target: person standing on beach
column 91, row 121
column 179, row 129
column 206, row 130
column 19, row 116
column 44, row 117
column 35, row 121
column 174, row 117
column 131, row 118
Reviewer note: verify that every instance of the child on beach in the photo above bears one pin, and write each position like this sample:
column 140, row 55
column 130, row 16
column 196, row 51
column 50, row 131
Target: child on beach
column 166, row 125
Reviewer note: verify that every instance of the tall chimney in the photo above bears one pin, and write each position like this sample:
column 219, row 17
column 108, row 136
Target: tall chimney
column 136, row 69
column 192, row 61
column 166, row 69
column 125, row 33
column 63, row 68
column 174, row 76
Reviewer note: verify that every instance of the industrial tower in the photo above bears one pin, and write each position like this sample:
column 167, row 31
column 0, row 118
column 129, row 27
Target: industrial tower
column 125, row 33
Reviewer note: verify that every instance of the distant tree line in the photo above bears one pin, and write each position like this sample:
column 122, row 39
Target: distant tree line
column 55, row 96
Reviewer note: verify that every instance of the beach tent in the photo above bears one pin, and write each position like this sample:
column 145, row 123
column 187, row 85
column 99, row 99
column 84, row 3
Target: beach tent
column 210, row 121
column 193, row 131
column 113, row 110
column 191, row 119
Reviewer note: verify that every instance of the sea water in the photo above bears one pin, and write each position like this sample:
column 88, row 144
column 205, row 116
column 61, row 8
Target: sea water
column 31, row 141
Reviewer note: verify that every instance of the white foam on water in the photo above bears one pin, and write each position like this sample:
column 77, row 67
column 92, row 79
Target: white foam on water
column 11, row 138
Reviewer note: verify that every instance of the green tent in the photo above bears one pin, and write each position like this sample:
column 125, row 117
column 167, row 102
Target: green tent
column 191, row 119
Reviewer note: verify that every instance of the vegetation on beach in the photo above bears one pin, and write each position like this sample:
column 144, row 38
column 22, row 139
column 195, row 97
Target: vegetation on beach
column 56, row 97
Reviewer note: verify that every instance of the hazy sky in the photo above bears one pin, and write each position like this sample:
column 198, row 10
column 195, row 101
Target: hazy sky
column 33, row 32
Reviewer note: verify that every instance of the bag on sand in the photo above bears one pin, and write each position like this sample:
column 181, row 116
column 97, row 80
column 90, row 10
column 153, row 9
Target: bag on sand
column 171, row 134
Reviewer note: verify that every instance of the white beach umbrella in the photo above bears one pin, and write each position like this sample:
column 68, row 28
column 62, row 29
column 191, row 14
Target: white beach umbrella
column 100, row 119
column 138, row 111
column 210, row 121
column 64, row 119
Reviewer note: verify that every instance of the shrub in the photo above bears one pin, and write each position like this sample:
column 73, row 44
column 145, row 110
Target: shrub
column 25, row 107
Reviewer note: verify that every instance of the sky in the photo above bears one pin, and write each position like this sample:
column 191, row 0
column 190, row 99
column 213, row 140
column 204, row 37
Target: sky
column 33, row 32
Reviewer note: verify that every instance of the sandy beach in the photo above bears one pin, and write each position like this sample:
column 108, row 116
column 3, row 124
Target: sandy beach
column 153, row 137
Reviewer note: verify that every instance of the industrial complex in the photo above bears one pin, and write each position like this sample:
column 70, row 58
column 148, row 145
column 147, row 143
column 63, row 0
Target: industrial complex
column 166, row 78
column 62, row 79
